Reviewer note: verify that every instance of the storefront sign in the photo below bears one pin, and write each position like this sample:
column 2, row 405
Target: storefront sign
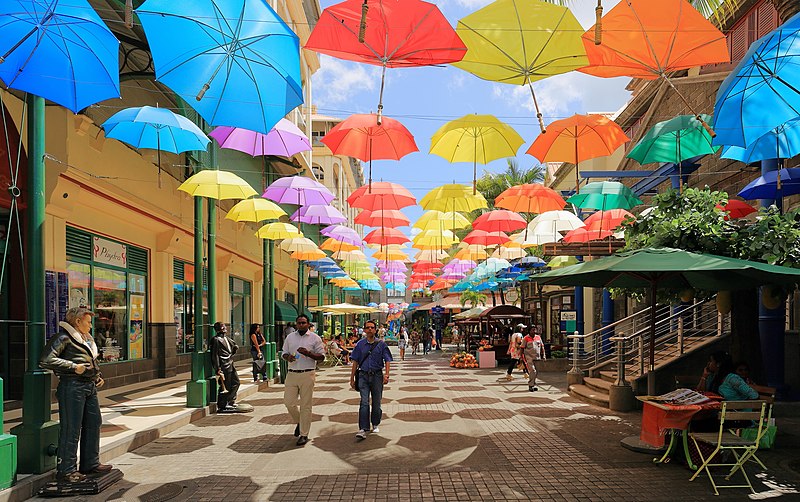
column 110, row 252
column 136, row 335
column 569, row 315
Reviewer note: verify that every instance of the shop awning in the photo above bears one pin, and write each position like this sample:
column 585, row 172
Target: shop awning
column 285, row 312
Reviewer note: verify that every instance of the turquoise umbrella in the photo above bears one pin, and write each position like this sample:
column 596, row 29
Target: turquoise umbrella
column 674, row 140
column 604, row 195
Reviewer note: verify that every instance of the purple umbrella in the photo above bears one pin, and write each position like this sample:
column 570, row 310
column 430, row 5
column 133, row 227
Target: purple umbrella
column 298, row 190
column 285, row 139
column 453, row 276
column 393, row 277
column 342, row 234
column 459, row 266
column 318, row 215
column 393, row 265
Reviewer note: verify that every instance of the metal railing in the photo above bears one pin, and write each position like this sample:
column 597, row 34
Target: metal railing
column 626, row 342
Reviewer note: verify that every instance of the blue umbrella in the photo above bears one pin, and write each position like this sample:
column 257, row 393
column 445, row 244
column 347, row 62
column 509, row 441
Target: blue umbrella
column 529, row 261
column 61, row 51
column 762, row 92
column 783, row 142
column 235, row 61
column 773, row 185
column 155, row 129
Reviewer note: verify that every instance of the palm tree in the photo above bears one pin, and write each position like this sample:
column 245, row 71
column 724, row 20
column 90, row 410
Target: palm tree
column 473, row 297
column 490, row 185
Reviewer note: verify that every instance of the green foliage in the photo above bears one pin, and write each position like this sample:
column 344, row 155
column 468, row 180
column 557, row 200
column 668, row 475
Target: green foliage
column 558, row 354
column 773, row 238
column 473, row 297
column 490, row 185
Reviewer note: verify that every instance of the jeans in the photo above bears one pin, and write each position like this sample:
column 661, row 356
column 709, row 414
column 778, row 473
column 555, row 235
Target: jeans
column 370, row 384
column 79, row 414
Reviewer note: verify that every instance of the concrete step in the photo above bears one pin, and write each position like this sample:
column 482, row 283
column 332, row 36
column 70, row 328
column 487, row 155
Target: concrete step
column 598, row 384
column 608, row 376
column 589, row 395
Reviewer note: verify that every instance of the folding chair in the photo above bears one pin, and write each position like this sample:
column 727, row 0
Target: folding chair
column 725, row 440
column 331, row 359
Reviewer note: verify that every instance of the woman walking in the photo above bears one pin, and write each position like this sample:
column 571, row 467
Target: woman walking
column 402, row 343
column 259, row 363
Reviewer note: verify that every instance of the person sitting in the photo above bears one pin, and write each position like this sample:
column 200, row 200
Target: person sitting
column 336, row 346
column 726, row 382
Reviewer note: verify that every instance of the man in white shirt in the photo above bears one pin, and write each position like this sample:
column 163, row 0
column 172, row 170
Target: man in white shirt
column 302, row 349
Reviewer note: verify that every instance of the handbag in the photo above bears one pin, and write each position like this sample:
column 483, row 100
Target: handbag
column 360, row 362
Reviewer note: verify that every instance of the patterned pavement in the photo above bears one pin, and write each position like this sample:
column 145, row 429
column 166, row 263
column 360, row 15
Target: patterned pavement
column 448, row 434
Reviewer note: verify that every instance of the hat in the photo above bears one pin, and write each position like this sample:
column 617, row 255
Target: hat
column 520, row 325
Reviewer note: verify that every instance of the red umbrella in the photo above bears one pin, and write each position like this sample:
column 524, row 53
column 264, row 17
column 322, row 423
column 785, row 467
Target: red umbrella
column 484, row 238
column 422, row 276
column 386, row 236
column 386, row 33
column 736, row 209
column 499, row 221
column 582, row 234
column 364, row 138
column 607, row 220
column 422, row 266
column 383, row 195
column 386, row 218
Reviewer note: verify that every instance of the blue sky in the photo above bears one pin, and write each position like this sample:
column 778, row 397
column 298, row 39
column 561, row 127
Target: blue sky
column 424, row 99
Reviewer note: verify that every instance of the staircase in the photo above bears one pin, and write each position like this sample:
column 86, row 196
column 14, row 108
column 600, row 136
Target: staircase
column 681, row 331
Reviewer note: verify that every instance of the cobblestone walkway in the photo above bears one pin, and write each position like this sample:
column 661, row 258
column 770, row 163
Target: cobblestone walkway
column 448, row 434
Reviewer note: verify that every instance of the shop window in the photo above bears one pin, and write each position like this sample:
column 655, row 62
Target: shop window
column 110, row 278
column 183, row 305
column 240, row 309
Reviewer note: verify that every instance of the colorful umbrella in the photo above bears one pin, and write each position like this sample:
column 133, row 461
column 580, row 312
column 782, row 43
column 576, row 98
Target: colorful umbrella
column 434, row 239
column 277, row 231
column 773, row 185
column 299, row 244
column 386, row 218
column 255, row 210
column 761, row 93
column 675, row 140
column 520, row 42
column 437, row 220
column 453, row 197
column 477, row 139
column 366, row 138
column 285, row 139
column 578, row 138
column 318, row 214
column 342, row 233
column 222, row 55
column 649, row 40
column 585, row 235
column 605, row 195
column 381, row 195
column 155, row 129
column 530, row 198
column 61, row 51
column 386, row 236
column 555, row 221
column 390, row 254
column 484, row 238
column 336, row 246
column 308, row 254
column 298, row 190
column 782, row 142
column 392, row 33
column 499, row 221
column 431, row 255
column 562, row 261
column 736, row 209
column 508, row 253
column 608, row 220
column 217, row 185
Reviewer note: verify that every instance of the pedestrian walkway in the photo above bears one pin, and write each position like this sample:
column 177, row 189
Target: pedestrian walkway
column 448, row 434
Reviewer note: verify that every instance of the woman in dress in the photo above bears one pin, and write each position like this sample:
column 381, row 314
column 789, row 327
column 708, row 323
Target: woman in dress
column 259, row 363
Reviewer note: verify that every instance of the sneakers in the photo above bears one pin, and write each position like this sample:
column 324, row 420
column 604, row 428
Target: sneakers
column 375, row 429
column 361, row 434
column 532, row 389
column 302, row 440
column 509, row 378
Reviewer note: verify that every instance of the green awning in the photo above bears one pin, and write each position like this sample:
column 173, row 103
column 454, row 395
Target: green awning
column 284, row 312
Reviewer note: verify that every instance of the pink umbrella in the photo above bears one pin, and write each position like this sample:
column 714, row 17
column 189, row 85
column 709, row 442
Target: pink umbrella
column 318, row 214
column 393, row 265
column 298, row 190
column 342, row 234
column 459, row 266
column 285, row 139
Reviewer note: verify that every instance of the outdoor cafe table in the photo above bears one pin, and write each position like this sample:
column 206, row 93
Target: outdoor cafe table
column 659, row 417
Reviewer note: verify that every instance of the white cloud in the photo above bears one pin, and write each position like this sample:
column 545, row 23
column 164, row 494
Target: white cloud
column 339, row 81
column 458, row 80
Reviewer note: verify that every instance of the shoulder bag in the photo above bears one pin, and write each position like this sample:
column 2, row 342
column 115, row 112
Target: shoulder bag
column 363, row 360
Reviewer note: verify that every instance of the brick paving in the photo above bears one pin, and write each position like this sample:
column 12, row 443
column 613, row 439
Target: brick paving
column 488, row 440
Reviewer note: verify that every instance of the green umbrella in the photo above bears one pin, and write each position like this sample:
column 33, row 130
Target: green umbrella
column 675, row 140
column 604, row 195
column 562, row 261
column 668, row 268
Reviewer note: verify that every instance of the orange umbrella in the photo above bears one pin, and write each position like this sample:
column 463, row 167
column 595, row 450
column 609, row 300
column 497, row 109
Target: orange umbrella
column 582, row 234
column 386, row 218
column 607, row 220
column 530, row 198
column 499, row 220
column 386, row 236
column 578, row 138
column 648, row 40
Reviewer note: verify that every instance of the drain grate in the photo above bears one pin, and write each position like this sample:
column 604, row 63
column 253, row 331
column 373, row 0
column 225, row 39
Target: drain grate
column 163, row 493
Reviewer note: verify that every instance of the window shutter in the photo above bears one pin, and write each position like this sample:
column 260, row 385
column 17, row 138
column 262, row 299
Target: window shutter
column 767, row 19
column 738, row 36
column 137, row 259
column 177, row 270
column 79, row 244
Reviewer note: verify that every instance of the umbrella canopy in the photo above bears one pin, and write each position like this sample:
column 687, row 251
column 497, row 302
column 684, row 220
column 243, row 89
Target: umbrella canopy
column 434, row 239
column 530, row 198
column 438, row 220
column 299, row 244
column 342, row 233
column 499, row 221
column 386, row 218
column 298, row 190
column 607, row 220
column 385, row 236
column 336, row 246
column 666, row 268
column 736, row 209
column 364, row 137
column 389, row 33
column 471, row 253
column 508, row 253
column 256, row 209
column 483, row 238
column 217, row 185
column 221, row 55
column 308, row 254
column 555, row 221
column 773, row 185
column 284, row 139
column 390, row 254
column 584, row 234
column 343, row 308
column 782, row 142
column 381, row 195
column 761, row 92
column 453, row 197
column 277, row 231
column 431, row 255
column 479, row 139
column 520, row 42
column 562, row 261
column 578, row 138
column 605, row 195
column 61, row 51
column 675, row 140
column 318, row 214
column 155, row 129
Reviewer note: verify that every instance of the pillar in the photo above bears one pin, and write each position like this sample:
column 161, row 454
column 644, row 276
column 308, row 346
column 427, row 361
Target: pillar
column 608, row 318
column 196, row 387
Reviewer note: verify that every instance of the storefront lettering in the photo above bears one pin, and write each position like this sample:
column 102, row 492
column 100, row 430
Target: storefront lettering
column 110, row 253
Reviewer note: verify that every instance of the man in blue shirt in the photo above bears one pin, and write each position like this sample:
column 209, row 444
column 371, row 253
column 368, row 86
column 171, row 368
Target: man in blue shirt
column 371, row 358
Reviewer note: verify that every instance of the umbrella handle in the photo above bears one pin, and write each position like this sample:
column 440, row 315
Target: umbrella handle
column 362, row 25
column 598, row 26
column 707, row 127
column 129, row 13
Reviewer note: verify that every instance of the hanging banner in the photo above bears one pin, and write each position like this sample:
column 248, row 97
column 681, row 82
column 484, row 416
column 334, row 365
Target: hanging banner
column 136, row 341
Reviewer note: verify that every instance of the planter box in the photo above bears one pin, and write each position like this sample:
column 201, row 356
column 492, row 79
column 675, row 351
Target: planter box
column 560, row 365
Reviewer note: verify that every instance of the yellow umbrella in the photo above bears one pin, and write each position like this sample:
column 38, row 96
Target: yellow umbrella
column 476, row 139
column 434, row 239
column 333, row 245
column 390, row 255
column 453, row 197
column 257, row 209
column 217, row 185
column 344, row 308
column 298, row 244
column 355, row 255
column 277, row 231
column 437, row 220
column 473, row 252
column 431, row 255
column 310, row 254
column 521, row 41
